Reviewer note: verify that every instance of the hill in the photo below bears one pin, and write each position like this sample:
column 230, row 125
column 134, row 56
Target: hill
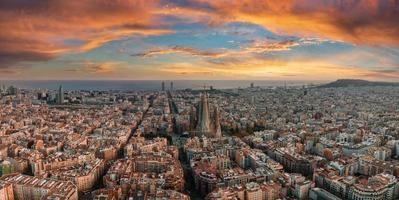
column 356, row 83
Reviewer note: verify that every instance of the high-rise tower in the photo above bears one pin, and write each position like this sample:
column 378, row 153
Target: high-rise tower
column 171, row 86
column 163, row 86
column 60, row 96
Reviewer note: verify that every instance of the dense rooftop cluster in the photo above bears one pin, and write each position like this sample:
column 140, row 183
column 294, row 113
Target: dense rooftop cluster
column 252, row 143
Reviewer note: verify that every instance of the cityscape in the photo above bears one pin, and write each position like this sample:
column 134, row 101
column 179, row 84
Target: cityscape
column 304, row 142
column 199, row 100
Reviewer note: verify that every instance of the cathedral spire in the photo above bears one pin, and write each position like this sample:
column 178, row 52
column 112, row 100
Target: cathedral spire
column 203, row 125
column 218, row 129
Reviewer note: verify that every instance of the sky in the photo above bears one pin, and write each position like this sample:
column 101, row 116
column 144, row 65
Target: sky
column 199, row 39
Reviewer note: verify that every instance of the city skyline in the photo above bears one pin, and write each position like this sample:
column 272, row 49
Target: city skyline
column 199, row 100
column 199, row 40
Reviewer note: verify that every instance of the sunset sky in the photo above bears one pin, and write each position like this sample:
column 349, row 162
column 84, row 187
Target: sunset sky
column 199, row 39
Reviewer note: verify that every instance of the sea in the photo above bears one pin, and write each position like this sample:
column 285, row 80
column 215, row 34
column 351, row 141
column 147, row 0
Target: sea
column 129, row 85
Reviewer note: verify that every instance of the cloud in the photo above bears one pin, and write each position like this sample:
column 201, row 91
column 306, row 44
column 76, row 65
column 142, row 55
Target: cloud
column 272, row 69
column 8, row 58
column 88, row 66
column 261, row 46
column 179, row 50
column 381, row 74
column 12, row 71
column 357, row 21
column 35, row 31
column 43, row 30
column 257, row 59
column 253, row 47
column 100, row 67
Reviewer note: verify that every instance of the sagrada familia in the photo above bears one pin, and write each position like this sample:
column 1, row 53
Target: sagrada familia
column 202, row 122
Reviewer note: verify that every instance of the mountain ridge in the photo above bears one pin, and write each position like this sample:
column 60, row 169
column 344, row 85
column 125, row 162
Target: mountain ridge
column 357, row 83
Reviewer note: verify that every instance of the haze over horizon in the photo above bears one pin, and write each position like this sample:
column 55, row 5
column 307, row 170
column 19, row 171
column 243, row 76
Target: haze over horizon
column 199, row 40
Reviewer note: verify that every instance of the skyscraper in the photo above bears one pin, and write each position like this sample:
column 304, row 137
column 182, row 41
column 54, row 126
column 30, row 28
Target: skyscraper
column 60, row 96
column 171, row 86
column 13, row 90
column 163, row 86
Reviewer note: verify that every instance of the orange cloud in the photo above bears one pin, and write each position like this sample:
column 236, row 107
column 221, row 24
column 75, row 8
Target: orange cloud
column 261, row 46
column 39, row 31
column 180, row 50
column 381, row 74
column 34, row 31
column 269, row 68
column 257, row 46
column 88, row 66
column 358, row 21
